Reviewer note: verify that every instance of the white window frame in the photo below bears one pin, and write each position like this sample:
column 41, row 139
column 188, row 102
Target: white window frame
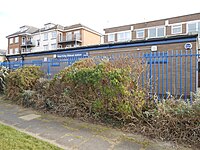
column 53, row 46
column 175, row 26
column 190, row 22
column 110, row 39
column 45, row 36
column 17, row 39
column 10, row 51
column 46, row 46
column 17, row 50
column 157, row 31
column 11, row 40
column 78, row 32
column 67, row 35
column 140, row 30
column 124, row 40
column 60, row 36
column 53, row 34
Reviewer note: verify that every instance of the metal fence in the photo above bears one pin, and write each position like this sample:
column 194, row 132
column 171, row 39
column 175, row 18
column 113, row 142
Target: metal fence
column 174, row 72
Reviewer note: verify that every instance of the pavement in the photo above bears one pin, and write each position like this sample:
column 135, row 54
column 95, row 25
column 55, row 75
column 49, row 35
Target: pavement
column 74, row 134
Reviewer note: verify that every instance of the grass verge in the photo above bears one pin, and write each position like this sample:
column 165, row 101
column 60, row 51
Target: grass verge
column 15, row 140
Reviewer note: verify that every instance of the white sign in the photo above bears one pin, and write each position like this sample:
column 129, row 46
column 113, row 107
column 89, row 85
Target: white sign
column 188, row 45
column 154, row 48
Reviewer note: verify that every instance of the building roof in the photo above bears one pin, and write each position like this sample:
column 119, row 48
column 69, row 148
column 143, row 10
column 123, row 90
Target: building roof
column 182, row 18
column 56, row 26
column 29, row 30
column 79, row 25
column 137, row 43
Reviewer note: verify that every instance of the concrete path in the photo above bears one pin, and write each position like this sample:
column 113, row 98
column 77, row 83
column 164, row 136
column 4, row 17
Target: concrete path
column 73, row 134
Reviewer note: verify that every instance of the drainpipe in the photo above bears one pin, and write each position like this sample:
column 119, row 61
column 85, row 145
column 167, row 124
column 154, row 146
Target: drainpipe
column 22, row 61
column 22, row 58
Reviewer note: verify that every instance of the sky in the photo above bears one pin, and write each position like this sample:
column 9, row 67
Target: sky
column 94, row 14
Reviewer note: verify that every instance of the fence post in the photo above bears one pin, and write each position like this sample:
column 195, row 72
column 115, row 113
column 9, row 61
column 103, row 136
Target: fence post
column 150, row 74
column 48, row 68
column 185, row 86
column 191, row 76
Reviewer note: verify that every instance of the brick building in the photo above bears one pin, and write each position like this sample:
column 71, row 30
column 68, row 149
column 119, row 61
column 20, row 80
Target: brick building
column 51, row 37
column 187, row 24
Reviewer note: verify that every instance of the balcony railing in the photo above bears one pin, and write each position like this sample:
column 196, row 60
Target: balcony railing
column 72, row 39
column 28, row 44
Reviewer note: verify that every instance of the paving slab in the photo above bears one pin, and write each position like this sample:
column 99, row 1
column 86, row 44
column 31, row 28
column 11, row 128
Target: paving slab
column 96, row 143
column 128, row 145
column 71, row 141
column 73, row 134
column 29, row 117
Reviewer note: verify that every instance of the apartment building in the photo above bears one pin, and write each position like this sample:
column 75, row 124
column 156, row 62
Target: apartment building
column 51, row 37
column 46, row 38
column 78, row 35
column 187, row 24
column 21, row 39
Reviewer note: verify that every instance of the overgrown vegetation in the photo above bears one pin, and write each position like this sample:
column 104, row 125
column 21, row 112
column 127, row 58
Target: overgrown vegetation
column 107, row 92
column 3, row 74
column 22, row 79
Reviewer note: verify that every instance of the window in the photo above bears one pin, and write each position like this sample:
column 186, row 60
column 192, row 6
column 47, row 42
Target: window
column 23, row 41
column 193, row 27
column 140, row 34
column 16, row 50
column 53, row 46
column 60, row 37
column 11, row 40
column 45, row 36
column 152, row 32
column 111, row 37
column 46, row 47
column 124, row 36
column 160, row 32
column 16, row 39
column 38, row 43
column 11, row 51
column 77, row 35
column 69, row 36
column 156, row 32
column 54, row 35
column 176, row 29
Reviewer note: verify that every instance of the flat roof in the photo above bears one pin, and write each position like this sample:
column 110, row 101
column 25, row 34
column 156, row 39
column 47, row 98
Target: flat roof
column 147, row 42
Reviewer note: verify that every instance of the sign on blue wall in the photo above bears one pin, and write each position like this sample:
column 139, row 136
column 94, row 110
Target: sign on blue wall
column 72, row 55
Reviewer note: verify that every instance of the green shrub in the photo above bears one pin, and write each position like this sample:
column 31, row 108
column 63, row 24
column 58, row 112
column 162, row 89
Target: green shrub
column 101, row 89
column 21, row 79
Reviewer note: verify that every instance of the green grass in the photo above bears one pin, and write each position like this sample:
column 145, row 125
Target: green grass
column 11, row 139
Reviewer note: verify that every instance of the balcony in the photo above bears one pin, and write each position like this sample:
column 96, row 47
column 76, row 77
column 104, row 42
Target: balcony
column 70, row 40
column 28, row 44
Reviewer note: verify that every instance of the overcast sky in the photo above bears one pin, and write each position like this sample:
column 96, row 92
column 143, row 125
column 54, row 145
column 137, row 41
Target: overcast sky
column 97, row 15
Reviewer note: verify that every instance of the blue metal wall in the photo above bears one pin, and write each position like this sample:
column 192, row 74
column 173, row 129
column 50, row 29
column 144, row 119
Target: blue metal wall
column 174, row 72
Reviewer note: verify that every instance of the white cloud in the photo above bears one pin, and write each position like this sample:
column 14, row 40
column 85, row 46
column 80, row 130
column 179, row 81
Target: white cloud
column 95, row 14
